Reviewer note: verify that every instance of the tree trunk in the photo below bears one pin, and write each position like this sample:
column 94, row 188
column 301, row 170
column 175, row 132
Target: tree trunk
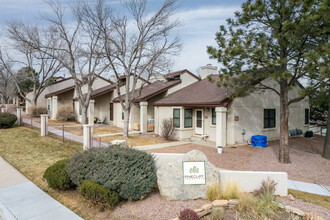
column 284, row 123
column 5, row 100
column 126, row 122
column 326, row 149
column 84, row 115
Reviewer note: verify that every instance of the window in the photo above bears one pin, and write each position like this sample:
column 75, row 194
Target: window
column 214, row 117
column 188, row 118
column 80, row 110
column 176, row 117
column 122, row 115
column 269, row 118
column 306, row 116
column 48, row 105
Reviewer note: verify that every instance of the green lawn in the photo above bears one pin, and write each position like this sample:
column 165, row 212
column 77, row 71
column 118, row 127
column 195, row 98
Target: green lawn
column 311, row 198
column 31, row 154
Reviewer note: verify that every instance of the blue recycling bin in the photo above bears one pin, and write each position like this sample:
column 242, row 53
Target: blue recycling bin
column 259, row 141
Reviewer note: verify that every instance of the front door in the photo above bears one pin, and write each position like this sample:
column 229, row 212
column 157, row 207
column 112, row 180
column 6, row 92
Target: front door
column 111, row 111
column 199, row 121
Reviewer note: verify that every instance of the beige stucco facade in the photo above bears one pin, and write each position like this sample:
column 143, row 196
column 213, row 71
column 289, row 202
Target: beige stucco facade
column 42, row 101
column 248, row 112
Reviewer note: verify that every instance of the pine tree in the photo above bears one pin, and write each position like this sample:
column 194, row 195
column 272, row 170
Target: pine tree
column 270, row 39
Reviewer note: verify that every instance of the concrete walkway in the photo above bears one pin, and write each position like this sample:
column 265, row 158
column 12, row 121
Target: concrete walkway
column 21, row 199
column 308, row 187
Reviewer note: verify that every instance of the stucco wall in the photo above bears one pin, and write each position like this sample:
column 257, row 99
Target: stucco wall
column 186, row 79
column 42, row 101
column 134, row 116
column 250, row 111
column 102, row 107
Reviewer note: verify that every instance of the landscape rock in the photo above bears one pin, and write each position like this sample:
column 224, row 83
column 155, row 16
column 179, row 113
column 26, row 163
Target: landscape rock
column 290, row 197
column 205, row 212
column 198, row 210
column 170, row 178
column 233, row 202
column 220, row 203
column 207, row 206
column 294, row 210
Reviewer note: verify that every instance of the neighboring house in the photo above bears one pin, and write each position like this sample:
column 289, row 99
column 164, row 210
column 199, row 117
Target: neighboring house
column 105, row 103
column 58, row 93
column 204, row 110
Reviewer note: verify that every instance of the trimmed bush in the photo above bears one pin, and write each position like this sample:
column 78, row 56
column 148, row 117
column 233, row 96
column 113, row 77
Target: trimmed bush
column 65, row 113
column 130, row 172
column 99, row 194
column 57, row 177
column 188, row 214
column 7, row 120
column 36, row 111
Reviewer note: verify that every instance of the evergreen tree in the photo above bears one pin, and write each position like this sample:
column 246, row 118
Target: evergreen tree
column 270, row 39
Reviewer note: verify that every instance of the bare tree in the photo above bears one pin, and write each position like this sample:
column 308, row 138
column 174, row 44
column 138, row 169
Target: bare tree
column 75, row 45
column 36, row 66
column 137, row 44
column 7, row 85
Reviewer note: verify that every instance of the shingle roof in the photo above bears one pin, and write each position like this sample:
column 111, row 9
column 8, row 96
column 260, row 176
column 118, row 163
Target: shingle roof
column 103, row 90
column 201, row 93
column 58, row 92
column 152, row 90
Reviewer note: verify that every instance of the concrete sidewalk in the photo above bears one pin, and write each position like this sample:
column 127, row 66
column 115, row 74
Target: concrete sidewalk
column 308, row 187
column 21, row 199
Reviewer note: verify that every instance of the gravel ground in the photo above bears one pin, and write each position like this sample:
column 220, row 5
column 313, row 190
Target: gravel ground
column 307, row 164
column 307, row 207
column 154, row 207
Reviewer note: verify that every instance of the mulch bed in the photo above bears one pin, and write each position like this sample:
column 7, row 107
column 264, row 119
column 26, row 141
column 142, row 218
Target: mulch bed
column 307, row 164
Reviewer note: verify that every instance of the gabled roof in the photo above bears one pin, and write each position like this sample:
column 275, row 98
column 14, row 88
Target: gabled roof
column 58, row 92
column 199, row 94
column 151, row 90
column 180, row 72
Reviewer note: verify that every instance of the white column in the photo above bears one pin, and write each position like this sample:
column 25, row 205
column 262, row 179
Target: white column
column 19, row 116
column 3, row 110
column 143, row 117
column 221, row 126
column 44, row 125
column 54, row 107
column 91, row 112
column 88, row 134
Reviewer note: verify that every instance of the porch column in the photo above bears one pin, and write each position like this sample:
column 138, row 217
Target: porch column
column 91, row 112
column 143, row 117
column 3, row 110
column 19, row 116
column 221, row 126
column 44, row 125
column 88, row 134
column 54, row 107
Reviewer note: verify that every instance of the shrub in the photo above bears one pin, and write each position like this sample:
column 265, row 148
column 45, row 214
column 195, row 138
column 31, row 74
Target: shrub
column 36, row 111
column 57, row 177
column 230, row 190
column 65, row 113
column 261, row 207
column 267, row 188
column 99, row 194
column 213, row 192
column 130, row 172
column 188, row 214
column 7, row 120
column 168, row 129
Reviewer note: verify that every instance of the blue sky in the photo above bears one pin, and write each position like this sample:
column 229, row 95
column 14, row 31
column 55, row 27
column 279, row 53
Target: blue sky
column 201, row 19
